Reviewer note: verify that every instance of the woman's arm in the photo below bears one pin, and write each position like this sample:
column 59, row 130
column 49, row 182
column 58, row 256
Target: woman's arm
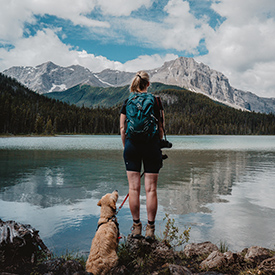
column 122, row 128
column 161, row 125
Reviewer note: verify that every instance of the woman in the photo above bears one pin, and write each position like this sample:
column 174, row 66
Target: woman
column 146, row 153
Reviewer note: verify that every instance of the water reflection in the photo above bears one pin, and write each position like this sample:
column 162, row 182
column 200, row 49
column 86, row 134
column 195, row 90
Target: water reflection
column 223, row 194
column 188, row 181
column 47, row 178
column 199, row 177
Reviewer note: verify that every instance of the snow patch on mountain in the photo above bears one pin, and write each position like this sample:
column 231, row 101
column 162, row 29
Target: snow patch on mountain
column 58, row 88
column 104, row 82
column 184, row 72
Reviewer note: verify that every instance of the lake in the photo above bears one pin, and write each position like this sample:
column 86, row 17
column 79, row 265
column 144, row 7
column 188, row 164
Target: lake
column 223, row 187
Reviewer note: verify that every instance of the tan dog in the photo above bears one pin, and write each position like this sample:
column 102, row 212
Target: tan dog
column 103, row 254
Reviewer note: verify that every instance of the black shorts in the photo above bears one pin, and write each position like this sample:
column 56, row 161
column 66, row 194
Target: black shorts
column 147, row 153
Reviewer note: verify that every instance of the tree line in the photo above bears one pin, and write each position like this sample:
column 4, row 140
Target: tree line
column 23, row 111
column 196, row 114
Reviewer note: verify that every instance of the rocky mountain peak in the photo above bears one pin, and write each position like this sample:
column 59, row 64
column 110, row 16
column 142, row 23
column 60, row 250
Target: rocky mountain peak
column 183, row 72
column 47, row 67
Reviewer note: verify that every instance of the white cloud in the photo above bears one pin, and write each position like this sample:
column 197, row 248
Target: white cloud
column 179, row 30
column 75, row 11
column 46, row 46
column 241, row 12
column 17, row 12
column 146, row 62
column 13, row 16
column 183, row 30
column 243, row 46
column 122, row 7
column 259, row 79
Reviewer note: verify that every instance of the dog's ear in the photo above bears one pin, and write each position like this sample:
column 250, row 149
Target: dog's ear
column 99, row 203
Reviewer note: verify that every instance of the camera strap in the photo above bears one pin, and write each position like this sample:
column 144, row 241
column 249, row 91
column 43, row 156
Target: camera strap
column 161, row 114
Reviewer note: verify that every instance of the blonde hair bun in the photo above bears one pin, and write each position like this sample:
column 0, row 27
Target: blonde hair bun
column 140, row 82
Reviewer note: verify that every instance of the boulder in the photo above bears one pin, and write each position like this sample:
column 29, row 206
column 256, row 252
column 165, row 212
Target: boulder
column 257, row 254
column 215, row 260
column 267, row 266
column 19, row 246
column 199, row 249
column 178, row 270
column 221, row 260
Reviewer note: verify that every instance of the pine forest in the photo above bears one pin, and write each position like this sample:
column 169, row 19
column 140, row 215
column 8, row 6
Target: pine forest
column 25, row 112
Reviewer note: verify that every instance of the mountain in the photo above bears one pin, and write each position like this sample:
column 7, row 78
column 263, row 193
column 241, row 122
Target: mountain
column 115, row 78
column 198, row 77
column 49, row 77
column 23, row 111
column 182, row 72
column 88, row 96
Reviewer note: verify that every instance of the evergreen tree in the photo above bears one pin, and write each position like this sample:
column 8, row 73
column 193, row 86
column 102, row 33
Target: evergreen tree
column 24, row 112
column 49, row 127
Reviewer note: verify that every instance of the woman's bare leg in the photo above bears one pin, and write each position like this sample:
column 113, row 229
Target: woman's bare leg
column 134, row 193
column 151, row 195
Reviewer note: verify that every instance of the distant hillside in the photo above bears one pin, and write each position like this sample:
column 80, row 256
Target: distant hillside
column 190, row 113
column 23, row 111
column 88, row 96
column 183, row 72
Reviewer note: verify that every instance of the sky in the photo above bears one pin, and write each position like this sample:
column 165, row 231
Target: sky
column 234, row 37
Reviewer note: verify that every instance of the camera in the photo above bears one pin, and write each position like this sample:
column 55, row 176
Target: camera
column 164, row 156
column 165, row 144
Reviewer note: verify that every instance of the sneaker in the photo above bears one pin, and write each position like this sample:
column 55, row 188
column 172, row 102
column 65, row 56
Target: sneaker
column 136, row 230
column 150, row 232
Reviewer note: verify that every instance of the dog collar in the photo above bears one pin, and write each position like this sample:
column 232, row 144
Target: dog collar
column 114, row 220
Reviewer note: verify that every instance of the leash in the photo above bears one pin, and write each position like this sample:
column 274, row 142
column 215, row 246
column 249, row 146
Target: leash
column 122, row 203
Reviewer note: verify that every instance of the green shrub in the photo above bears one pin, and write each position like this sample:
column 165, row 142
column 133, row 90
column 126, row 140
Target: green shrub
column 171, row 235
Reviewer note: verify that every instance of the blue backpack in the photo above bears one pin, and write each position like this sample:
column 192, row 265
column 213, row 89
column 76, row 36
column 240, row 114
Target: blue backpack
column 142, row 125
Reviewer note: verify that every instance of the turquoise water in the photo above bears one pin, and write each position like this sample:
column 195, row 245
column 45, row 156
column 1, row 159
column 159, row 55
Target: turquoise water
column 221, row 186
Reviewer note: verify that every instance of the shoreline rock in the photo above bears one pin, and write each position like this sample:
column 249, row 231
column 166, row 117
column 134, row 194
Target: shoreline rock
column 21, row 249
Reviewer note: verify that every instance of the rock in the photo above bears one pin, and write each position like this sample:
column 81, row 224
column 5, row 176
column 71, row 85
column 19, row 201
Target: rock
column 60, row 266
column 143, row 247
column 19, row 246
column 221, row 260
column 173, row 269
column 199, row 249
column 215, row 260
column 257, row 254
column 178, row 270
column 267, row 266
column 233, row 258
